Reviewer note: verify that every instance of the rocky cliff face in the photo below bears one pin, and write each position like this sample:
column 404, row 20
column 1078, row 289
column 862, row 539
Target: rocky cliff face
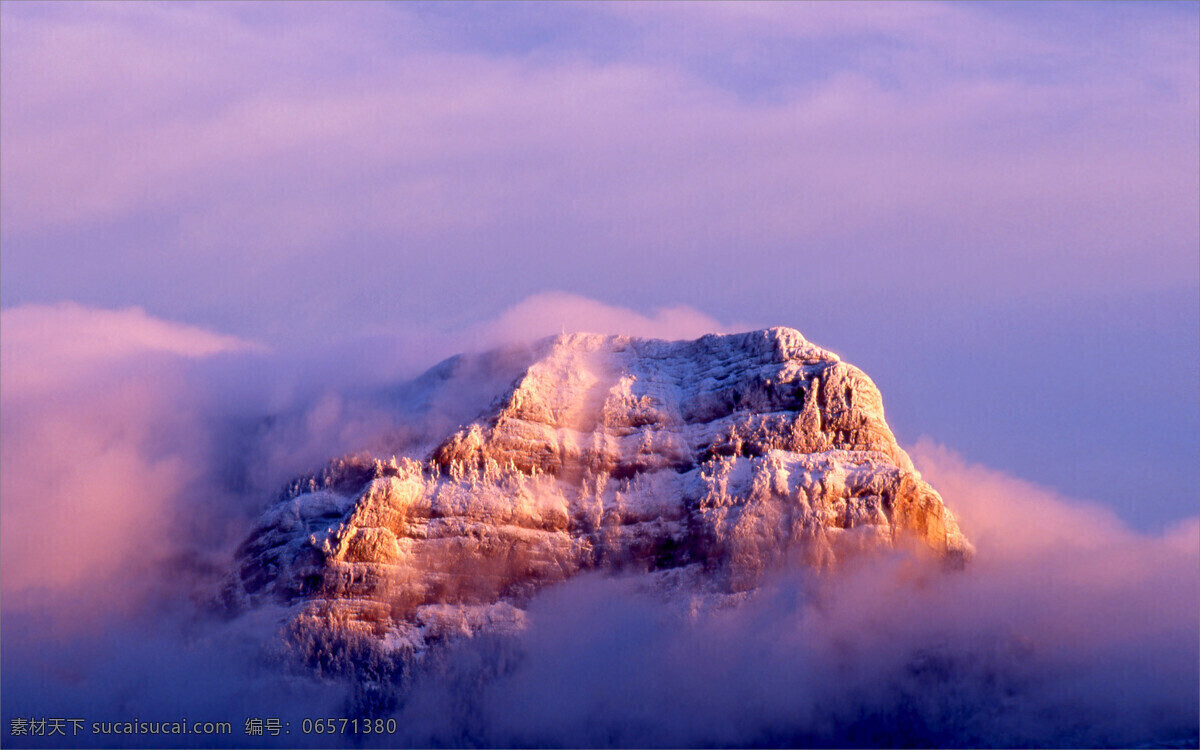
column 702, row 462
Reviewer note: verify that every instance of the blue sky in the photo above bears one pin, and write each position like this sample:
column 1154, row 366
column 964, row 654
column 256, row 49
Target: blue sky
column 990, row 208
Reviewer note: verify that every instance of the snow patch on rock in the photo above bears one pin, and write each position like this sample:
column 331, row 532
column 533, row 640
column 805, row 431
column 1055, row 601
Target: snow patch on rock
column 706, row 463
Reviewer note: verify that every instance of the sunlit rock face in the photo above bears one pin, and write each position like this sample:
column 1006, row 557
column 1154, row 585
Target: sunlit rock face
column 705, row 463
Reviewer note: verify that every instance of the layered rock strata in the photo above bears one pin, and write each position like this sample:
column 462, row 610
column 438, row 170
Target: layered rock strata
column 705, row 462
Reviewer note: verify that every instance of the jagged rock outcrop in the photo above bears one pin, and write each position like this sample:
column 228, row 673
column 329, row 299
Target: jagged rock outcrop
column 704, row 461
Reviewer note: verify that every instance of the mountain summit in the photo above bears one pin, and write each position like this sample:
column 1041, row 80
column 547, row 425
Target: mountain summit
column 704, row 463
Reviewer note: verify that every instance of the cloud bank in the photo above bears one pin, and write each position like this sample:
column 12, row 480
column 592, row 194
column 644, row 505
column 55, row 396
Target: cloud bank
column 100, row 433
column 1067, row 630
column 944, row 183
column 403, row 158
column 126, row 487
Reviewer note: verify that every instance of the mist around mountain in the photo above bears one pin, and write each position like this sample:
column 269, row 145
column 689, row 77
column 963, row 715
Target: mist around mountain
column 130, row 480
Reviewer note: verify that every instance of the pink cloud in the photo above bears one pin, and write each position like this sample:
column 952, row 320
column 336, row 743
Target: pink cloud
column 432, row 145
column 1061, row 553
column 551, row 313
column 51, row 346
column 100, row 434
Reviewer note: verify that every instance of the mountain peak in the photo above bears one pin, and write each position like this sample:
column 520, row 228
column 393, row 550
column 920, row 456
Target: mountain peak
column 788, row 342
column 706, row 462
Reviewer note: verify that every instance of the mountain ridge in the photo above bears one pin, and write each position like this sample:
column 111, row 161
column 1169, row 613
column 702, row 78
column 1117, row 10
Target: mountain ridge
column 705, row 463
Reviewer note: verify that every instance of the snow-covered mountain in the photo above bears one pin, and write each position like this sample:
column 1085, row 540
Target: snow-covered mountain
column 704, row 463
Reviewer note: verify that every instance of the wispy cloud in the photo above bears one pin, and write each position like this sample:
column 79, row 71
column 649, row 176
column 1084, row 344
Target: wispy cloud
column 49, row 346
column 949, row 144
column 551, row 313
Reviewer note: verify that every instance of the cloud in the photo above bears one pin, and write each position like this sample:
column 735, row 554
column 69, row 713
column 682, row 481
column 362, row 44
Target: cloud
column 51, row 346
column 416, row 171
column 1067, row 630
column 552, row 313
column 121, row 492
column 999, row 507
column 100, row 433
